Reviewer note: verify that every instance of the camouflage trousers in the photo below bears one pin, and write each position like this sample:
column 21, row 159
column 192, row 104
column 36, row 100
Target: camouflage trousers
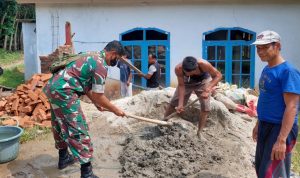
column 69, row 125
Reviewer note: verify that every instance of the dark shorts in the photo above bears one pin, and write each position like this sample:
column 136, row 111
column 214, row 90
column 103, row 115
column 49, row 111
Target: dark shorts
column 267, row 136
column 198, row 89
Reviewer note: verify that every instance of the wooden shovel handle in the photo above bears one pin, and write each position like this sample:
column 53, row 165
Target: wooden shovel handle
column 155, row 121
column 186, row 106
column 130, row 65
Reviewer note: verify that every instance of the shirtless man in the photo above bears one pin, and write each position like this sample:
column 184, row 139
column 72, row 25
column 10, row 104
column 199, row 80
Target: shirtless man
column 198, row 76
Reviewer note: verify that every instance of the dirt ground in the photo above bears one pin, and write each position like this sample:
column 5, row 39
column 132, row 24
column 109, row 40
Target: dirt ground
column 125, row 147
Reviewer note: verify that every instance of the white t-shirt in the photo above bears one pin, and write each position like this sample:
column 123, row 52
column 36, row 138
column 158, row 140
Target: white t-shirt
column 152, row 69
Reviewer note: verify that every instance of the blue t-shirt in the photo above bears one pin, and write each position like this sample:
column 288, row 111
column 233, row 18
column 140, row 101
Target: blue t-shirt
column 275, row 81
column 124, row 71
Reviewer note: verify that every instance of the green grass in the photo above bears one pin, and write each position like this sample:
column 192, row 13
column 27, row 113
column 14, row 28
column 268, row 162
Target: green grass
column 296, row 154
column 33, row 133
column 12, row 77
column 7, row 57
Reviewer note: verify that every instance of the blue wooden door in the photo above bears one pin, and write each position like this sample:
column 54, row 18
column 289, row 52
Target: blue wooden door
column 230, row 50
column 139, row 43
column 135, row 51
column 242, row 64
column 216, row 54
column 161, row 50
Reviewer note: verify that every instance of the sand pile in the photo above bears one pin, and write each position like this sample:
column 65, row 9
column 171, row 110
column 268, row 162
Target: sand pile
column 156, row 151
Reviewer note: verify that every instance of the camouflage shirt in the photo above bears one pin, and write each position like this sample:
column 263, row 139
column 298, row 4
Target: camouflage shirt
column 85, row 74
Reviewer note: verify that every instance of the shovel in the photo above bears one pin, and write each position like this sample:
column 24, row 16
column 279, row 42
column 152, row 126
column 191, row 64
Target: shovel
column 137, row 71
column 175, row 113
column 131, row 66
column 155, row 121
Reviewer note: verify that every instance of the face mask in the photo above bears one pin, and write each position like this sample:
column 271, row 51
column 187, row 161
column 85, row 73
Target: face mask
column 113, row 62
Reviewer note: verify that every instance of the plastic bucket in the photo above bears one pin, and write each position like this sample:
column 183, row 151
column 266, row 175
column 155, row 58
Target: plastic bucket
column 9, row 142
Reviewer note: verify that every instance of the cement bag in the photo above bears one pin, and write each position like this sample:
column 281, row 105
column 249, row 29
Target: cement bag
column 236, row 95
column 251, row 100
column 226, row 101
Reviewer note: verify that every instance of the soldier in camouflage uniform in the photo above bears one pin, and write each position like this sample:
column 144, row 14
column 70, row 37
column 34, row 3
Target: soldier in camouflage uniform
column 87, row 76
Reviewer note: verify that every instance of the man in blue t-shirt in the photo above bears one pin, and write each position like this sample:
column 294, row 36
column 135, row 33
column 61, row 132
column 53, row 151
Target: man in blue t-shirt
column 276, row 129
column 125, row 78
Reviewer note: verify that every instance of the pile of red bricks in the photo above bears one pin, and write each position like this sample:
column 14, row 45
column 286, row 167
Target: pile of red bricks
column 28, row 104
column 46, row 61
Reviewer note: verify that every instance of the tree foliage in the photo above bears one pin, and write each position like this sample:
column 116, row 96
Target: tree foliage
column 10, row 29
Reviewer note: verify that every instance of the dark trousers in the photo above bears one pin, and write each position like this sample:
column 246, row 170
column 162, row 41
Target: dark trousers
column 267, row 136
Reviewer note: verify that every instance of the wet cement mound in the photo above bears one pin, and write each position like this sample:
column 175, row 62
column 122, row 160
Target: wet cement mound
column 167, row 152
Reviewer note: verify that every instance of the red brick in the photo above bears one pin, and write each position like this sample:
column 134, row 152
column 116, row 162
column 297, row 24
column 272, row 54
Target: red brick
column 16, row 112
column 21, row 88
column 15, row 105
column 42, row 114
column 20, row 120
column 10, row 122
column 2, row 104
column 24, row 96
column 20, row 92
column 32, row 95
column 47, row 124
column 26, row 109
column 2, row 113
column 38, row 91
column 44, row 99
column 27, row 100
column 45, row 77
column 21, row 100
column 28, row 124
column 33, row 83
column 36, row 109
column 36, row 77
column 48, row 115
column 40, row 84
column 27, row 86
column 34, row 102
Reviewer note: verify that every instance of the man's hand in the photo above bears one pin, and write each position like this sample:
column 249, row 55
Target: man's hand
column 278, row 150
column 179, row 109
column 206, row 93
column 119, row 112
column 140, row 74
column 254, row 133
column 128, row 83
column 100, row 108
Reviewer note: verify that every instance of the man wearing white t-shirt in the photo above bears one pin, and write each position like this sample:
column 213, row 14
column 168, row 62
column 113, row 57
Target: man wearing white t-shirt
column 153, row 74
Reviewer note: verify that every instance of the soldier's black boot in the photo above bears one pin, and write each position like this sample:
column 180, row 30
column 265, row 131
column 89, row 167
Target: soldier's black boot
column 87, row 171
column 65, row 159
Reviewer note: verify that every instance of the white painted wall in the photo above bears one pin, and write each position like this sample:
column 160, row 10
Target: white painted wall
column 186, row 24
column 31, row 60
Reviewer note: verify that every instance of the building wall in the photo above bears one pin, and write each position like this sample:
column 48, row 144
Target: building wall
column 94, row 25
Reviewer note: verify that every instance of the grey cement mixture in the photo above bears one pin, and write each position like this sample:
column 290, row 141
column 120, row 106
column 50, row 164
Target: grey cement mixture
column 167, row 152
